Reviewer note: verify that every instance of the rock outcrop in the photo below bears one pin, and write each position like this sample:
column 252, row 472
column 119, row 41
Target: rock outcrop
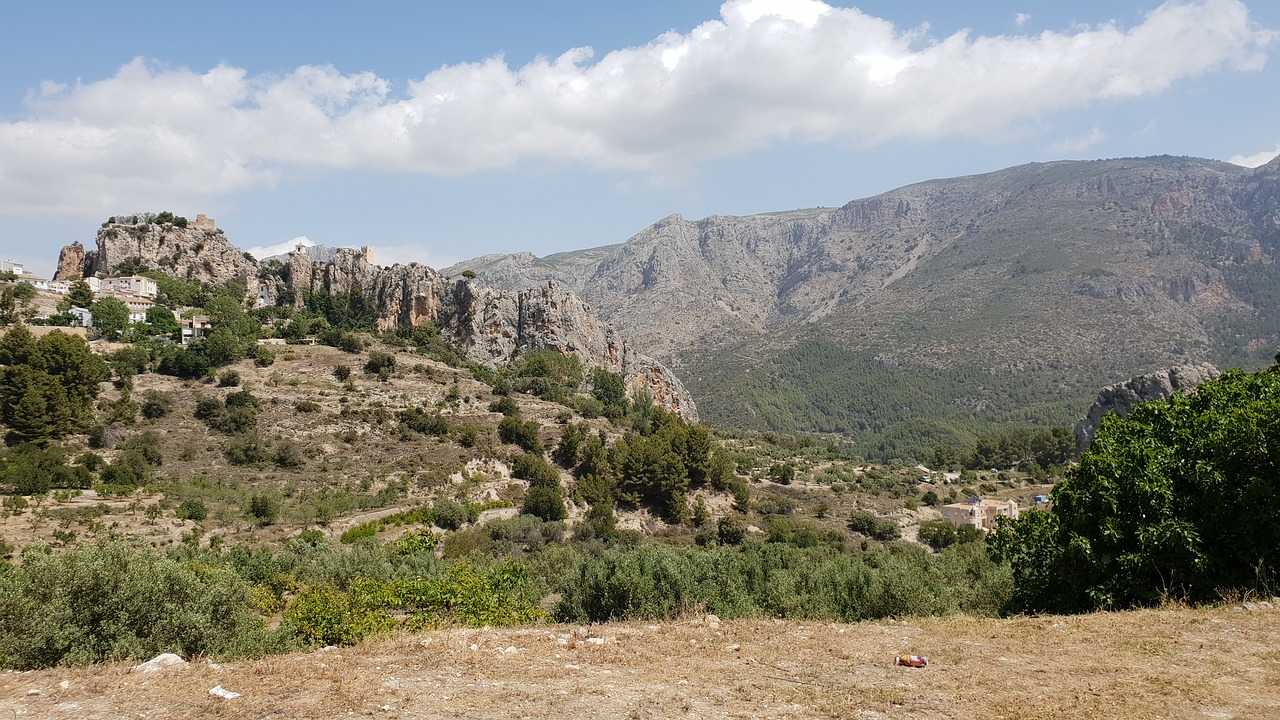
column 199, row 253
column 1122, row 397
column 70, row 263
column 491, row 326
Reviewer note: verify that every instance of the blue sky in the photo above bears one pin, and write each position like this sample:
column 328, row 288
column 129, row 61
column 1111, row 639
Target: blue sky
column 440, row 131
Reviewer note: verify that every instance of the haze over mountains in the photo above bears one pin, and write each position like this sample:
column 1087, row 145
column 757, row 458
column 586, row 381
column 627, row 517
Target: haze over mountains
column 940, row 309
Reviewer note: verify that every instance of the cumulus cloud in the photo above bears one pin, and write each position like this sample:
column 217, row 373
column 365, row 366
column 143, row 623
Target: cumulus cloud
column 1256, row 159
column 766, row 70
column 1021, row 19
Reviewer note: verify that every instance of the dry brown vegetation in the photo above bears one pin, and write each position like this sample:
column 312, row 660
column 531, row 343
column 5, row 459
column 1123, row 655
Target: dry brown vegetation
column 1219, row 662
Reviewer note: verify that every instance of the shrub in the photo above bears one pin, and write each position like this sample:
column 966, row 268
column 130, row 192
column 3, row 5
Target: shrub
column 525, row 435
column 228, row 378
column 306, row 406
column 156, row 404
column 872, row 525
column 380, row 362
column 192, row 510
column 505, row 405
column 264, row 357
column 264, row 509
column 449, row 514
column 110, row 601
column 731, row 531
column 427, row 423
column 342, row 372
column 545, row 502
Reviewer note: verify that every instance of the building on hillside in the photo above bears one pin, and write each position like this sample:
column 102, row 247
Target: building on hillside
column 979, row 513
column 11, row 266
column 80, row 317
column 130, row 285
column 195, row 328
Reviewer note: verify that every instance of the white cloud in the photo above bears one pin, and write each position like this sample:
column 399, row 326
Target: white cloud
column 767, row 70
column 1078, row 145
column 1256, row 159
column 1021, row 19
column 261, row 252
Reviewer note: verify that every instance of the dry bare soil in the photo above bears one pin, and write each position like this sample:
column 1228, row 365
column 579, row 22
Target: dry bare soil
column 1178, row 663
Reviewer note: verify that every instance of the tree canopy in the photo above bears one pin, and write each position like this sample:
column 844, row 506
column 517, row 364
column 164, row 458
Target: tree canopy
column 1177, row 500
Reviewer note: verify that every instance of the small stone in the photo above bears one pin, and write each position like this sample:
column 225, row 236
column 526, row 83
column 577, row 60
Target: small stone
column 160, row 662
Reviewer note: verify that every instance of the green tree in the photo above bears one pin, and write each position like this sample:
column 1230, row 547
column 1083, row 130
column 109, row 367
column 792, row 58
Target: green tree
column 1175, row 501
column 163, row 322
column 110, row 316
column 81, row 295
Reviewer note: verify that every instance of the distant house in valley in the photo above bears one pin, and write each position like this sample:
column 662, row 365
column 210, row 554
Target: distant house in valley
column 979, row 513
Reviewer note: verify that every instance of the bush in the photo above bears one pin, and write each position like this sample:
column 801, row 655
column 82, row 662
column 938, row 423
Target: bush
column 872, row 525
column 525, row 435
column 228, row 378
column 505, row 405
column 264, row 509
column 772, row 579
column 342, row 372
column 449, row 514
column 1175, row 501
column 380, row 362
column 731, row 531
column 110, row 601
column 306, row 406
column 156, row 404
column 192, row 510
column 427, row 423
column 545, row 502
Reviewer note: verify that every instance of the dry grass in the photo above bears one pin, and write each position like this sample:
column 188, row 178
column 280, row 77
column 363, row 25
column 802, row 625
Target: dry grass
column 1178, row 663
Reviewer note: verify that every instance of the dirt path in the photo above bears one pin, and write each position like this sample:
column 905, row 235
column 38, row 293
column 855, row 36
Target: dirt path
column 1219, row 663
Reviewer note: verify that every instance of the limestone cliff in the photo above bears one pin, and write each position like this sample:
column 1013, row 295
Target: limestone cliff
column 199, row 253
column 1122, row 397
column 491, row 326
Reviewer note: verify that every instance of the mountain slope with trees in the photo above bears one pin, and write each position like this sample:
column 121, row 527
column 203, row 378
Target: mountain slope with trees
column 1014, row 295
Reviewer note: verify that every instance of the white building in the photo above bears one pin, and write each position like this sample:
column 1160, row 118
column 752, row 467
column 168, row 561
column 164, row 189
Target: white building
column 130, row 285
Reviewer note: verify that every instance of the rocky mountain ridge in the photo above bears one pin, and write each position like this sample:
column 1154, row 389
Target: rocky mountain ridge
column 491, row 326
column 1044, row 281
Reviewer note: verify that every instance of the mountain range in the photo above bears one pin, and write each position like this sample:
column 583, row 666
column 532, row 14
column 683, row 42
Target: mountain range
column 941, row 310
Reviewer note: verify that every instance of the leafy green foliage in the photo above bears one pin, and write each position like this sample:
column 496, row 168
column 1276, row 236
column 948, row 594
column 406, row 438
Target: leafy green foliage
column 1175, row 501
column 872, row 525
column 46, row 385
column 99, row 602
column 110, row 317
column 546, row 373
column 517, row 431
column 31, row 469
column 545, row 498
column 780, row 580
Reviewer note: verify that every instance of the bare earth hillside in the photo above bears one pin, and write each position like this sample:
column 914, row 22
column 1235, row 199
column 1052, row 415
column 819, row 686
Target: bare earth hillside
column 1206, row 663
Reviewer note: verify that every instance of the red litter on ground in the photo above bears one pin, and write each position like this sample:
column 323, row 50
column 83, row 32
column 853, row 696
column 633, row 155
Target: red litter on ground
column 916, row 661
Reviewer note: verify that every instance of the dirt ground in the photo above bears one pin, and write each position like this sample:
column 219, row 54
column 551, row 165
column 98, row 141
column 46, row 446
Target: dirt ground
column 1184, row 663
